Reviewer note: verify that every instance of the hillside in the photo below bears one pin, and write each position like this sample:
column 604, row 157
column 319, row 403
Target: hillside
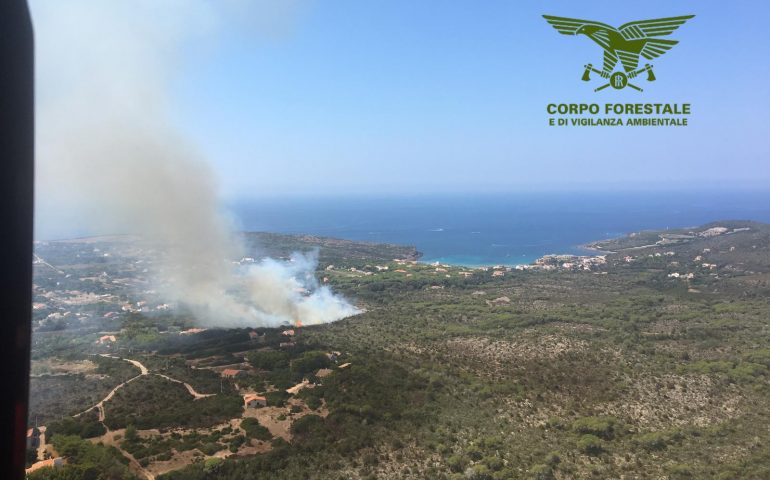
column 647, row 363
column 735, row 244
column 330, row 250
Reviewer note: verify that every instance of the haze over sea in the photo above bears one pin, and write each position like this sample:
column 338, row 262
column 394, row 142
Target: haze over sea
column 493, row 229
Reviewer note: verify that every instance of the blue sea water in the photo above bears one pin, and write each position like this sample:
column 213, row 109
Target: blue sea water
column 506, row 229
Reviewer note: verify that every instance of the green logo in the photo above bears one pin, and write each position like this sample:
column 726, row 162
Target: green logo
column 627, row 44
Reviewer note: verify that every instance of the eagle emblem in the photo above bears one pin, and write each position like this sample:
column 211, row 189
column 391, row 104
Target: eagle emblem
column 624, row 44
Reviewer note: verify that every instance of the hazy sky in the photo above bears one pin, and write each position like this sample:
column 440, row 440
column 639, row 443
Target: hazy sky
column 347, row 96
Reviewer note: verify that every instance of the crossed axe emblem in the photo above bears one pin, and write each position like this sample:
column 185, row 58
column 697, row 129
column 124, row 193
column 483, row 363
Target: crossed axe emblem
column 618, row 80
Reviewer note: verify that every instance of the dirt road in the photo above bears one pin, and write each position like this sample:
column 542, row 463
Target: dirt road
column 100, row 406
column 189, row 387
column 109, row 437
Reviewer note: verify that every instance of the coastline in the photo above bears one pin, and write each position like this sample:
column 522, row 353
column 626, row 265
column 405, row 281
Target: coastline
column 589, row 249
column 592, row 248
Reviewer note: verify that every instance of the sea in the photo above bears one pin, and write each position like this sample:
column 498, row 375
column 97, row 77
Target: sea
column 496, row 229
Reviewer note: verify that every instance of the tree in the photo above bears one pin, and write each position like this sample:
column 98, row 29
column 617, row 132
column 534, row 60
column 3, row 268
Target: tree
column 130, row 434
column 254, row 430
column 309, row 362
column 268, row 360
column 590, row 444
column 211, row 465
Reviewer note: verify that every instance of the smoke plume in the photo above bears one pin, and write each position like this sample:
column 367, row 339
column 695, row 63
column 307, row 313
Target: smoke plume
column 111, row 160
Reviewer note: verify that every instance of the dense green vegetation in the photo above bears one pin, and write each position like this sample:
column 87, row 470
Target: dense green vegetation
column 620, row 371
column 84, row 426
column 202, row 380
column 154, row 402
column 85, row 460
column 269, row 360
column 159, row 447
column 376, row 401
column 55, row 396
column 254, row 430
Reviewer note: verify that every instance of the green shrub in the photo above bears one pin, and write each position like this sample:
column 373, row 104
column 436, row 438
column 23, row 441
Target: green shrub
column 84, row 427
column 211, row 465
column 553, row 458
column 130, row 433
column 457, row 463
column 478, row 472
column 473, row 452
column 84, row 460
column 277, row 398
column 541, row 472
column 306, row 424
column 210, row 448
column 236, row 443
column 314, row 403
column 309, row 362
column 494, row 463
column 760, row 356
column 590, row 444
column 679, row 471
column 555, row 422
column 268, row 360
column 164, row 456
column 603, row 427
column 254, row 430
column 653, row 441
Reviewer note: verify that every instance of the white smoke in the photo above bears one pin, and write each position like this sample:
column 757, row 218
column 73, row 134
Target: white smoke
column 110, row 159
